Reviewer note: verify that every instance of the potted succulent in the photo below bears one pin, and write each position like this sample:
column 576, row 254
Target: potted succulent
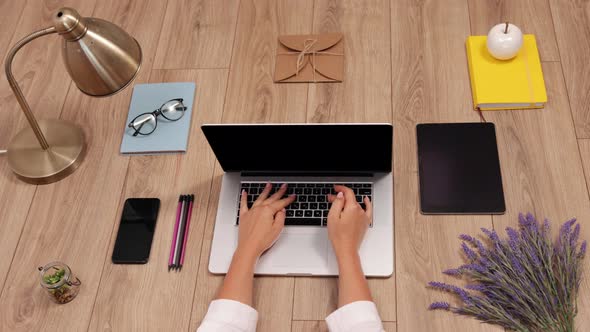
column 57, row 279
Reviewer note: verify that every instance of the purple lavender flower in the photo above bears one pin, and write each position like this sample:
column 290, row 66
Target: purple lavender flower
column 529, row 224
column 512, row 238
column 468, row 252
column 575, row 235
column 523, row 221
column 491, row 234
column 475, row 242
column 566, row 228
column 582, row 252
column 533, row 224
column 546, row 227
column 467, row 238
column 565, row 233
column 450, row 288
column 524, row 282
column 482, row 250
column 517, row 266
column 453, row 272
column 485, row 262
column 532, row 253
column 474, row 267
column 439, row 306
column 477, row 287
column 437, row 284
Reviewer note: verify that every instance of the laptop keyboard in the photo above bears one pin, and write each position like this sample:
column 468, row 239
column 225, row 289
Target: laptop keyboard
column 311, row 205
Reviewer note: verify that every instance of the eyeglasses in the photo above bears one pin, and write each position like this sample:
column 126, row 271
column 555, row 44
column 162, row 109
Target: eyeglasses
column 146, row 123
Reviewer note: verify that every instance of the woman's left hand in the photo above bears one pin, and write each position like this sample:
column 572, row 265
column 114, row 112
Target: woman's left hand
column 261, row 225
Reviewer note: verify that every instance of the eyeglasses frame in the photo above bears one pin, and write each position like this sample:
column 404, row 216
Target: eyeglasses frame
column 155, row 115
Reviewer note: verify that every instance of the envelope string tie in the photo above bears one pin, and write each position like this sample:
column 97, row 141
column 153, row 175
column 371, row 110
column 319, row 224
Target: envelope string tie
column 307, row 50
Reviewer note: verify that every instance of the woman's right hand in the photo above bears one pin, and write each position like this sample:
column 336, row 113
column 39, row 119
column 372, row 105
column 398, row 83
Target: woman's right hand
column 347, row 222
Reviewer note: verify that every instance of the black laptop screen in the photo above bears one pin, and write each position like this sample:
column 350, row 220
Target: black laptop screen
column 302, row 148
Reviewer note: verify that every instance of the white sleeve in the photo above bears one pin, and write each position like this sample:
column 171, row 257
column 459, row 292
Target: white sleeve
column 229, row 315
column 355, row 316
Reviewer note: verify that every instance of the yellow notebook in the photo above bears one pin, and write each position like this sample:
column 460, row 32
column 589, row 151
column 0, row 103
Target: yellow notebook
column 505, row 84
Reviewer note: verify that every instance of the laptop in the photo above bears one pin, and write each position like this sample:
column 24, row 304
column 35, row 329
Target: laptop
column 310, row 158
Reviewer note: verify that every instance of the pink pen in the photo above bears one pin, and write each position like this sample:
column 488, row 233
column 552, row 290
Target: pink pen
column 188, row 223
column 175, row 232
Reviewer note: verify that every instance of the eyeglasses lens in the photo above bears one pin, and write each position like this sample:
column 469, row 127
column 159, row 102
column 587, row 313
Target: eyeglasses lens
column 173, row 110
column 145, row 124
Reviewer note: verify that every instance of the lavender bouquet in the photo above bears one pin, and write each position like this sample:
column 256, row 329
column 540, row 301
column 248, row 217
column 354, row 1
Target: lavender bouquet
column 522, row 283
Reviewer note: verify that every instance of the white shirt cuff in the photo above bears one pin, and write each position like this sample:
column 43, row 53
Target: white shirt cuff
column 355, row 316
column 229, row 315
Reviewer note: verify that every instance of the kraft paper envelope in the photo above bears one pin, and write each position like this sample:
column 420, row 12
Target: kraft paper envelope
column 310, row 58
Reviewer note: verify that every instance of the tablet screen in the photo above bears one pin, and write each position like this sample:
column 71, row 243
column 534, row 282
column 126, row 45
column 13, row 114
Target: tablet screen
column 459, row 169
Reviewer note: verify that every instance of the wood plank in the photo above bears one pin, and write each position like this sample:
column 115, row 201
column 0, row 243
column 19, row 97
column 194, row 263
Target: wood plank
column 363, row 96
column 197, row 34
column 13, row 13
column 207, row 283
column 166, row 297
column 430, row 84
column 320, row 326
column 531, row 16
column 365, row 93
column 72, row 220
column 584, row 146
column 252, row 97
column 544, row 175
column 572, row 19
column 44, row 82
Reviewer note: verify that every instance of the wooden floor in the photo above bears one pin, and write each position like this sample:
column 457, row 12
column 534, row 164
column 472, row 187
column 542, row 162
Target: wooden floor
column 405, row 64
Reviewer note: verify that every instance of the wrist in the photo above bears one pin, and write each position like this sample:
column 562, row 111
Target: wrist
column 246, row 255
column 347, row 256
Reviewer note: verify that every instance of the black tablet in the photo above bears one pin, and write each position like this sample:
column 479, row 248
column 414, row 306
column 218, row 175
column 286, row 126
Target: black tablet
column 459, row 169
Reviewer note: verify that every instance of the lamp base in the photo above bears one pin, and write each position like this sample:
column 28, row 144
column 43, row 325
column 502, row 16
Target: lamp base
column 34, row 165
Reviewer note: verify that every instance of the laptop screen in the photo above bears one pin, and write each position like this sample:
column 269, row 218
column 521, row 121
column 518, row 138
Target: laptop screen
column 302, row 147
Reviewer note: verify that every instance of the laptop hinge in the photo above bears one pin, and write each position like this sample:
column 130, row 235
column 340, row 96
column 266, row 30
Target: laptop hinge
column 310, row 174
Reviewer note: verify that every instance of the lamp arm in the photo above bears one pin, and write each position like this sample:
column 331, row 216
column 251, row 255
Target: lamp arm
column 14, row 85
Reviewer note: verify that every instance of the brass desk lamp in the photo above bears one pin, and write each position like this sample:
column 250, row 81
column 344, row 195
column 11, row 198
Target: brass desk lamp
column 101, row 59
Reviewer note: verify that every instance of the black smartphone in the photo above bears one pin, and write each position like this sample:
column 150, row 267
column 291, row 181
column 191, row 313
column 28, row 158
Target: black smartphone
column 136, row 231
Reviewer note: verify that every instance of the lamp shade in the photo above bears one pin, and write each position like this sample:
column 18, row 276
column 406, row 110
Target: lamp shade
column 100, row 57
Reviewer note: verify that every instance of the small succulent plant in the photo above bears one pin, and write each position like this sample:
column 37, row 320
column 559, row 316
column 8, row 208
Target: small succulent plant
column 52, row 279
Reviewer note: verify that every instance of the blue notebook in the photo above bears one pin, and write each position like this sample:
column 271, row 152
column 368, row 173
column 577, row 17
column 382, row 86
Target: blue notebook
column 169, row 137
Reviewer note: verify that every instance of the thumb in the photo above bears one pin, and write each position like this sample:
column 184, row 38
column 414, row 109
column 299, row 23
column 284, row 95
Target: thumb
column 331, row 198
column 277, row 226
column 337, row 206
column 280, row 218
column 279, row 223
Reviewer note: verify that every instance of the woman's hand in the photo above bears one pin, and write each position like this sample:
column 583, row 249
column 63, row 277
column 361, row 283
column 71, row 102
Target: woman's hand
column 261, row 225
column 347, row 225
column 347, row 222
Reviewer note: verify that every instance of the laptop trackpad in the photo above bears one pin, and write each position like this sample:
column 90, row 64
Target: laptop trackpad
column 297, row 251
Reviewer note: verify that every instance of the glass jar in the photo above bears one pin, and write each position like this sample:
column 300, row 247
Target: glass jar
column 59, row 282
